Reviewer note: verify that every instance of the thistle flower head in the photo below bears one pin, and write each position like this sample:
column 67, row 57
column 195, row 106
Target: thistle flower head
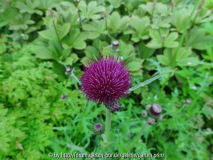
column 98, row 129
column 106, row 81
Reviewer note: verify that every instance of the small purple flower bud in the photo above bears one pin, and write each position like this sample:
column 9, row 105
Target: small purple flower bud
column 98, row 129
column 155, row 110
column 63, row 96
column 188, row 101
column 161, row 118
column 151, row 121
column 144, row 113
column 68, row 69
column 115, row 43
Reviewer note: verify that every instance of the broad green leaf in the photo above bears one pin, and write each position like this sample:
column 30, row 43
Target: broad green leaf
column 74, row 57
column 91, row 11
column 173, row 36
column 190, row 61
column 154, row 44
column 85, row 61
column 120, row 22
column 49, row 34
column 171, row 44
column 197, row 39
column 69, row 61
column 75, row 39
column 43, row 52
column 95, row 28
column 141, row 26
column 115, row 3
column 180, row 19
column 183, row 53
column 144, row 51
column 134, row 66
column 64, row 30
column 163, row 60
column 154, row 34
column 66, row 53
column 90, row 51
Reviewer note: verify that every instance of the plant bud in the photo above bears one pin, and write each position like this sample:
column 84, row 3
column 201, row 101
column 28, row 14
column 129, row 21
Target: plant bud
column 163, row 37
column 155, row 110
column 144, row 113
column 160, row 118
column 98, row 129
column 115, row 43
column 148, row 106
column 150, row 121
column 64, row 96
column 68, row 69
column 188, row 101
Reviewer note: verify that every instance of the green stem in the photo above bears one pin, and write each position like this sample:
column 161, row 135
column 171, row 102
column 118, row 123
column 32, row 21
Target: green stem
column 108, row 124
column 104, row 138
column 76, row 78
column 79, row 16
column 57, row 33
column 137, row 137
column 150, row 80
column 70, row 101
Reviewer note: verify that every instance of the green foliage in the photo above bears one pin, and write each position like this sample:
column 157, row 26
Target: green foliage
column 39, row 39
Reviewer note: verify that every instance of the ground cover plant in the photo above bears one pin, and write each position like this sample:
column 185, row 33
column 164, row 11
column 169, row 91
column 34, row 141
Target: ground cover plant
column 106, row 79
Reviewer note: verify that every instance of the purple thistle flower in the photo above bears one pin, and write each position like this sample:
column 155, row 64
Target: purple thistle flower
column 106, row 81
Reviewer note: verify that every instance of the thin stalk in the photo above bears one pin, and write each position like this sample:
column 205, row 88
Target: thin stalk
column 137, row 137
column 104, row 138
column 108, row 125
column 57, row 33
column 79, row 16
column 73, row 75
column 106, row 27
column 150, row 80
column 70, row 101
